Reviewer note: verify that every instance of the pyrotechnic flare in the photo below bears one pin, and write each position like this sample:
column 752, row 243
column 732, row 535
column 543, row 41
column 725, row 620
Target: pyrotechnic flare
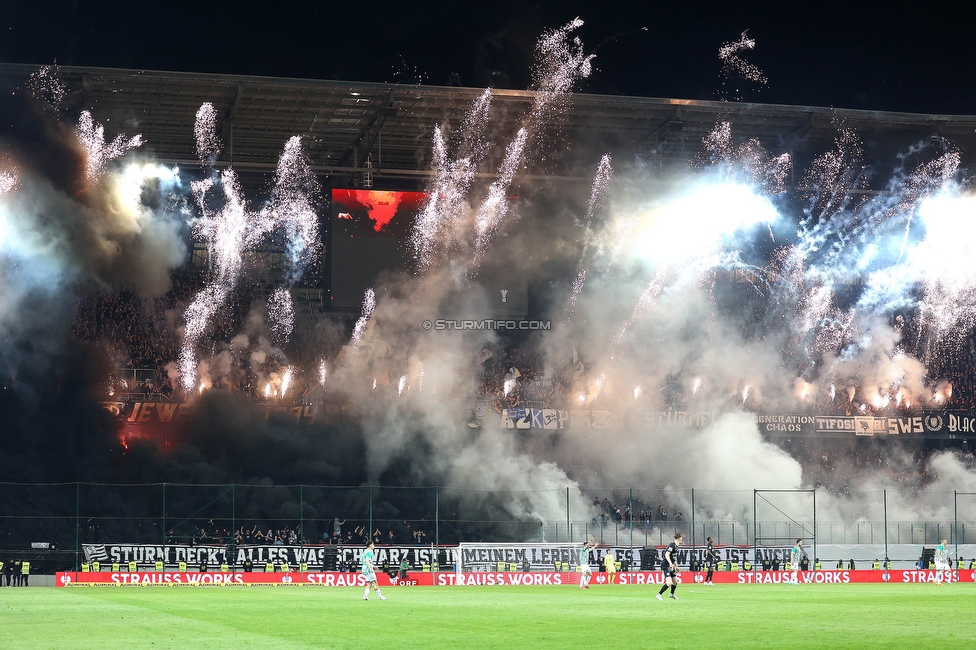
column 323, row 373
column 8, row 181
column 509, row 385
column 402, row 384
column 286, row 380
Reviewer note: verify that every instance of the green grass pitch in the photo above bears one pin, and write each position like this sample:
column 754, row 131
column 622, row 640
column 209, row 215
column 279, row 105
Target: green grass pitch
column 781, row 616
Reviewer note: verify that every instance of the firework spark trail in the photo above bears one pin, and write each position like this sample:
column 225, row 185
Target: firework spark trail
column 281, row 313
column 369, row 304
column 561, row 64
column 747, row 163
column 44, row 84
column 99, row 153
column 438, row 225
column 574, row 294
column 292, row 197
column 495, row 206
column 205, row 134
column 323, row 373
column 402, row 384
column 197, row 316
column 647, row 298
column 733, row 64
column 235, row 228
column 927, row 180
column 599, row 190
column 833, row 186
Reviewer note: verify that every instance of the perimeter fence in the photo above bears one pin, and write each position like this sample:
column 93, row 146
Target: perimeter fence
column 53, row 520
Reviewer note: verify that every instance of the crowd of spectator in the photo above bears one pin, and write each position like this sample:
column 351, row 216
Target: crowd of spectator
column 336, row 533
column 144, row 333
column 645, row 514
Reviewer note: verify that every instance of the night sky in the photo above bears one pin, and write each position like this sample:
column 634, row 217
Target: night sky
column 843, row 54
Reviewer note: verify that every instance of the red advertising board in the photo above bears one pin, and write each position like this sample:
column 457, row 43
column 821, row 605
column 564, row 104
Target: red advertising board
column 534, row 578
column 196, row 579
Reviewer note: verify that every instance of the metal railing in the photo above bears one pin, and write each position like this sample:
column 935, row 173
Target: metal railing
column 71, row 514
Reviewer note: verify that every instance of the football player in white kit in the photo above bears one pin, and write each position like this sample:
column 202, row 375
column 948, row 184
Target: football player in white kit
column 796, row 554
column 586, row 573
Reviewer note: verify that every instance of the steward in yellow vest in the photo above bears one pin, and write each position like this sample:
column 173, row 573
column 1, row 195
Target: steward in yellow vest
column 116, row 567
column 512, row 566
column 747, row 565
column 816, row 565
column 159, row 566
column 303, row 567
column 84, row 567
column 96, row 566
column 133, row 567
column 285, row 568
column 876, row 565
column 269, row 567
column 499, row 566
column 735, row 566
column 25, row 573
column 182, row 567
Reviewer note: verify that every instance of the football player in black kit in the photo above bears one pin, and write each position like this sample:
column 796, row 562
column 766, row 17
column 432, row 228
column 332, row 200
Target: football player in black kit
column 670, row 567
column 711, row 560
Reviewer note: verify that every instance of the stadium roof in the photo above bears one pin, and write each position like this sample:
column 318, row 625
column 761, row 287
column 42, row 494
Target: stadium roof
column 393, row 124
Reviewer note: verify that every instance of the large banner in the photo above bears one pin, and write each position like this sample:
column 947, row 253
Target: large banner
column 939, row 424
column 450, row 579
column 486, row 557
column 327, row 558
